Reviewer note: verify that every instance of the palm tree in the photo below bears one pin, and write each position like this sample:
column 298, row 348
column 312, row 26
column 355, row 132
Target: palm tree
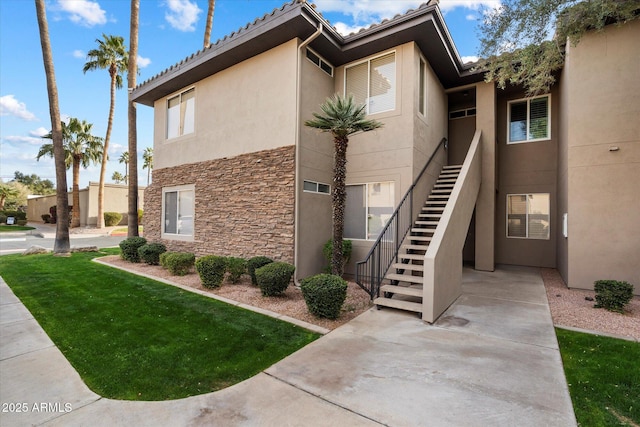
column 147, row 157
column 111, row 55
column 61, row 245
column 124, row 158
column 81, row 148
column 209, row 25
column 132, row 217
column 6, row 191
column 342, row 117
column 118, row 178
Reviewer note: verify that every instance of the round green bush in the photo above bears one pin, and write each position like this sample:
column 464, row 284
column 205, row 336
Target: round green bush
column 612, row 295
column 129, row 248
column 274, row 278
column 178, row 263
column 150, row 253
column 236, row 267
column 112, row 218
column 324, row 294
column 211, row 269
column 254, row 263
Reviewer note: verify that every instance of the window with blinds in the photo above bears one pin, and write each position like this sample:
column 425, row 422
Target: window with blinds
column 528, row 216
column 181, row 114
column 367, row 209
column 373, row 83
column 529, row 120
column 178, row 211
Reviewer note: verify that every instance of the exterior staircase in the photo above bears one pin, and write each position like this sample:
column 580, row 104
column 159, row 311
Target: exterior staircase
column 402, row 287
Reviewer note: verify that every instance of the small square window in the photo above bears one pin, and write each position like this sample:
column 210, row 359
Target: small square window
column 529, row 120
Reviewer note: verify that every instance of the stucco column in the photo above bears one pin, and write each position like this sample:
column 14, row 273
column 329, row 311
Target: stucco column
column 485, row 206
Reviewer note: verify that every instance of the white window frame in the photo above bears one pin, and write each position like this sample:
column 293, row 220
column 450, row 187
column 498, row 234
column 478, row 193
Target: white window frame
column 181, row 124
column 368, row 62
column 528, row 124
column 320, row 62
column 317, row 187
column 526, row 237
column 423, row 84
column 177, row 236
column 367, row 185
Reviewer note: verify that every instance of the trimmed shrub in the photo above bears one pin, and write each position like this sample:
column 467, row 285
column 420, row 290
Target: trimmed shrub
column 3, row 218
column 327, row 251
column 274, row 278
column 150, row 253
column 211, row 269
column 22, row 222
column 178, row 263
column 236, row 267
column 612, row 294
column 254, row 263
column 324, row 294
column 18, row 215
column 112, row 218
column 45, row 218
column 140, row 215
column 129, row 248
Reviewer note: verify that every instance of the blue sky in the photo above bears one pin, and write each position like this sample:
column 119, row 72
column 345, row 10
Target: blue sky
column 170, row 30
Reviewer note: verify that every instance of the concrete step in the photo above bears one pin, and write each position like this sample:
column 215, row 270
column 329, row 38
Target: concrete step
column 423, row 230
column 433, row 208
column 429, row 215
column 449, row 167
column 426, row 223
column 403, row 290
column 438, row 191
column 415, row 247
column 399, row 304
column 413, row 257
column 412, row 267
column 420, row 238
column 438, row 197
column 404, row 278
column 446, row 180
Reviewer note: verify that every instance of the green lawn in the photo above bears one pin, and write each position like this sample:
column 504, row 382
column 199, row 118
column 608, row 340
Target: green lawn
column 10, row 228
column 604, row 378
column 137, row 339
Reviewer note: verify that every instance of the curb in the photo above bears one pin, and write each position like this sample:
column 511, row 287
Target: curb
column 602, row 334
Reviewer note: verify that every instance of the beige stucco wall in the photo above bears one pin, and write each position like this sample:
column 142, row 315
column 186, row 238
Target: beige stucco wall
column 601, row 111
column 246, row 108
column 400, row 149
column 526, row 168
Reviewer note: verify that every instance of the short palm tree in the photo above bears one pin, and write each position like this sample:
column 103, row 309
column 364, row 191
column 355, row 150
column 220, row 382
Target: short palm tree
column 124, row 158
column 81, row 148
column 147, row 158
column 341, row 117
column 117, row 177
column 112, row 55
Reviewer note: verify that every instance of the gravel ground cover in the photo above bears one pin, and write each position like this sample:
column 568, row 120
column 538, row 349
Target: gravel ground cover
column 568, row 307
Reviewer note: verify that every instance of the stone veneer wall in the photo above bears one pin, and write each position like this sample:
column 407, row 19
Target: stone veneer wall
column 244, row 205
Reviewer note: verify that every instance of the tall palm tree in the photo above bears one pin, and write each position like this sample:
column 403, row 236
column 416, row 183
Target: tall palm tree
column 341, row 117
column 124, row 158
column 209, row 25
column 61, row 244
column 134, row 20
column 147, row 158
column 111, row 55
column 81, row 148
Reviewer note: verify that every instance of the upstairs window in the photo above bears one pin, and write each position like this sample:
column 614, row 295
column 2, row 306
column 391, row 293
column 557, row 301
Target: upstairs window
column 529, row 120
column 321, row 63
column 373, row 83
column 181, row 114
column 422, row 96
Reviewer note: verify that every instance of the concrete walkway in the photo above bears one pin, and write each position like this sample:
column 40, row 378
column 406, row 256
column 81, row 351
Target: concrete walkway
column 491, row 360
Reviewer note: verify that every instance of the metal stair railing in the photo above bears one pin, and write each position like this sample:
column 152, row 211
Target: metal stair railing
column 384, row 252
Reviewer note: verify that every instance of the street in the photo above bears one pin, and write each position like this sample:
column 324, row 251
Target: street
column 16, row 243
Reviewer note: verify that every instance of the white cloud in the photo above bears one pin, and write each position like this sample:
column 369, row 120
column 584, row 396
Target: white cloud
column 79, row 54
column 10, row 106
column 143, row 62
column 367, row 12
column 471, row 17
column 468, row 59
column 182, row 14
column 84, row 12
column 39, row 132
column 31, row 140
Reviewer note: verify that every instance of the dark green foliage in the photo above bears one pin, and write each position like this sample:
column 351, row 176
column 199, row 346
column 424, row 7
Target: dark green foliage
column 324, row 295
column 254, row 263
column 112, row 218
column 274, row 278
column 21, row 222
column 3, row 218
column 603, row 378
column 130, row 248
column 140, row 215
column 211, row 269
column 150, row 253
column 45, row 218
column 327, row 251
column 612, row 294
column 178, row 263
column 133, row 338
column 18, row 215
column 236, row 267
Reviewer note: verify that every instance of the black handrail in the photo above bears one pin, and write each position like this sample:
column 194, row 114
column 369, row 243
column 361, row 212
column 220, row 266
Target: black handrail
column 371, row 271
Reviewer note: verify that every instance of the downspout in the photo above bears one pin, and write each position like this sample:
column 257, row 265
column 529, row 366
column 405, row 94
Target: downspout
column 296, row 181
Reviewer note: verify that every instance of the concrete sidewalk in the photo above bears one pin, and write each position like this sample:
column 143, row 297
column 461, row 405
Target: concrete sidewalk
column 492, row 359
